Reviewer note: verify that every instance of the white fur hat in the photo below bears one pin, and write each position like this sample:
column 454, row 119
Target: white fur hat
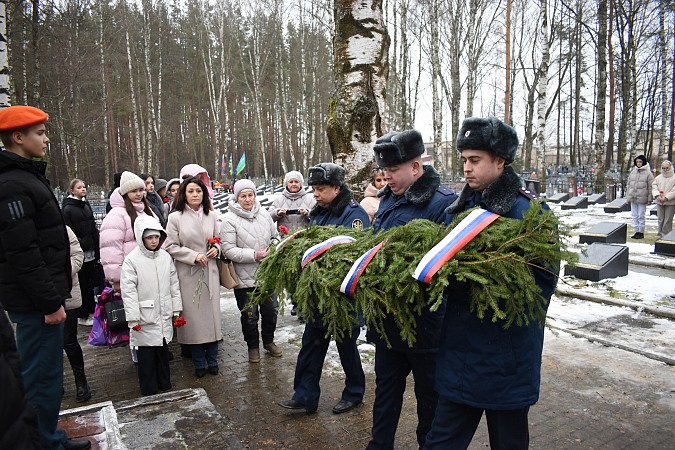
column 129, row 181
column 293, row 175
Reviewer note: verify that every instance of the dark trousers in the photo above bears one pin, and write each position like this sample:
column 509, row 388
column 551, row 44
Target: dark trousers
column 310, row 363
column 86, row 277
column 455, row 424
column 391, row 370
column 70, row 343
column 268, row 309
column 40, row 349
column 153, row 369
column 204, row 354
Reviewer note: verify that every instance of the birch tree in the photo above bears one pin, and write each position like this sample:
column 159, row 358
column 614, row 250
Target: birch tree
column 360, row 52
column 4, row 61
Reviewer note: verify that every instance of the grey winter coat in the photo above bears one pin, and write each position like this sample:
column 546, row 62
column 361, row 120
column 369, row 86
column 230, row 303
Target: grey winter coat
column 640, row 185
column 241, row 234
column 187, row 235
column 76, row 261
column 149, row 285
column 290, row 201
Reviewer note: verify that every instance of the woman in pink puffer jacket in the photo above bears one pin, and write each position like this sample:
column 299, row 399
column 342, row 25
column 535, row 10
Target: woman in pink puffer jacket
column 117, row 229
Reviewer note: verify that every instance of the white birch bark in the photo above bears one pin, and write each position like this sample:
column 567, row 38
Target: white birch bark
column 542, row 88
column 134, row 107
column 4, row 60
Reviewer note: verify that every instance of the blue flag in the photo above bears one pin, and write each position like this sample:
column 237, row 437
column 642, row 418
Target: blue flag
column 242, row 163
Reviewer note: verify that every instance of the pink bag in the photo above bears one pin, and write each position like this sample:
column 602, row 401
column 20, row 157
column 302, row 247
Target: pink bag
column 100, row 334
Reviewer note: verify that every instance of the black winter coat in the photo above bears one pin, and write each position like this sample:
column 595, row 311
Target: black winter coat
column 18, row 422
column 79, row 216
column 34, row 245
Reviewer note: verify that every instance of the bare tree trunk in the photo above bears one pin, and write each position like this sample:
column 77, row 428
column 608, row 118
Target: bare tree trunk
column 108, row 155
column 543, row 85
column 507, row 89
column 441, row 158
column 134, row 106
column 609, row 157
column 663, row 52
column 577, row 80
column 35, row 30
column 600, row 164
column 4, row 60
column 360, row 48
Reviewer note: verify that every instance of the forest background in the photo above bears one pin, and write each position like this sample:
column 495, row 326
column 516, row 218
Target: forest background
column 151, row 85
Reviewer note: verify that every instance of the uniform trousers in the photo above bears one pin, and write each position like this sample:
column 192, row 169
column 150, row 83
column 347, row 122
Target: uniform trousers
column 391, row 371
column 455, row 424
column 153, row 369
column 40, row 348
column 310, row 363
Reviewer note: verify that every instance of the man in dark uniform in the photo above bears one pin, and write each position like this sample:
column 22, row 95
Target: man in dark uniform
column 481, row 366
column 34, row 266
column 413, row 191
column 335, row 205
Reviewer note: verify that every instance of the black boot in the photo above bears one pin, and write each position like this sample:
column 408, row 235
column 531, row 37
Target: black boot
column 83, row 392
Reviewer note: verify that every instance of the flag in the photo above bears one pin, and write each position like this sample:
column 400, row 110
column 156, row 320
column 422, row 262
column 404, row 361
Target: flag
column 242, row 163
column 222, row 164
column 231, row 166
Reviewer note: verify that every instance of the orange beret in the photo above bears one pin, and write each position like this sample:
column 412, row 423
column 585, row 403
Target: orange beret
column 18, row 117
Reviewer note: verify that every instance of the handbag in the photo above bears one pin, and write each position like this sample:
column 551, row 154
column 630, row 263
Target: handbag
column 115, row 316
column 228, row 277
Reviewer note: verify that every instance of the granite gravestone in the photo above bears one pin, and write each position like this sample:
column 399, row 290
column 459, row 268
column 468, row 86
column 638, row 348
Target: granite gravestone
column 666, row 245
column 576, row 203
column 605, row 232
column 601, row 261
column 618, row 205
column 597, row 199
column 560, row 197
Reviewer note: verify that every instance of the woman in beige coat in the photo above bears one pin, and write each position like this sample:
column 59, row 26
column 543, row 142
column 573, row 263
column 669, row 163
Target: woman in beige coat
column 245, row 236
column 663, row 191
column 370, row 200
column 190, row 226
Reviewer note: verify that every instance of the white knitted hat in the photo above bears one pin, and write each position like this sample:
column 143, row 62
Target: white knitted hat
column 129, row 181
column 241, row 185
column 293, row 175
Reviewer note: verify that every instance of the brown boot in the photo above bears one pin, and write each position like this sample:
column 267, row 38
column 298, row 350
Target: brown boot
column 273, row 349
column 253, row 355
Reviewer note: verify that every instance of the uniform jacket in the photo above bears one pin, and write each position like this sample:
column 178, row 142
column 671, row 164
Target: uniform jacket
column 292, row 200
column 188, row 233
column 639, row 185
column 150, row 290
column 427, row 199
column 18, row 422
column 241, row 234
column 34, row 245
column 665, row 185
column 370, row 201
column 343, row 211
column 76, row 261
column 479, row 362
column 80, row 218
column 117, row 236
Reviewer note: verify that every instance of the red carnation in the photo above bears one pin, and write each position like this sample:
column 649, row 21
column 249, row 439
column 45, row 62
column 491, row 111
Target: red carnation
column 283, row 229
column 213, row 242
column 179, row 322
column 137, row 328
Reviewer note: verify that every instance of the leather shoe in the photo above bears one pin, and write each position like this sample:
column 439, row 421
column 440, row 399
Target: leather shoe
column 292, row 404
column 76, row 444
column 213, row 370
column 343, row 406
column 199, row 373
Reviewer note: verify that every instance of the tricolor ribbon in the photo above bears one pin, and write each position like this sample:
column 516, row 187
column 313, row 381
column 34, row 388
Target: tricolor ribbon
column 288, row 238
column 461, row 235
column 351, row 280
column 319, row 249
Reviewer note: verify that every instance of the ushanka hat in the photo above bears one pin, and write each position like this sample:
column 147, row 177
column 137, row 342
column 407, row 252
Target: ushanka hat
column 490, row 134
column 129, row 181
column 18, row 117
column 398, row 147
column 326, row 173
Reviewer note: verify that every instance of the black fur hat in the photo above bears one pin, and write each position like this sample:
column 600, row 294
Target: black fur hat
column 489, row 134
column 398, row 147
column 326, row 173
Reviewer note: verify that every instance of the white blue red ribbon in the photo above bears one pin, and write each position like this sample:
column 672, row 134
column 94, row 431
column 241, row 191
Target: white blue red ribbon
column 288, row 238
column 351, row 280
column 317, row 250
column 461, row 235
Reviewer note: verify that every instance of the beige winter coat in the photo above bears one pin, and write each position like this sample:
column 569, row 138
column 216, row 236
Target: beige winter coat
column 149, row 285
column 76, row 261
column 187, row 235
column 665, row 185
column 640, row 185
column 241, row 234
column 370, row 201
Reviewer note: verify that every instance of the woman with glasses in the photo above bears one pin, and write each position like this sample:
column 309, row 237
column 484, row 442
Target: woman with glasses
column 663, row 190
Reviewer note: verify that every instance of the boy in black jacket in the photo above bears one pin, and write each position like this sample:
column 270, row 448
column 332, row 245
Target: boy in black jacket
column 34, row 266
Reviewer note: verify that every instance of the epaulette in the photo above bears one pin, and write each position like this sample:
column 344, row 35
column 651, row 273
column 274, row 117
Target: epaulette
column 444, row 190
column 529, row 194
column 353, row 203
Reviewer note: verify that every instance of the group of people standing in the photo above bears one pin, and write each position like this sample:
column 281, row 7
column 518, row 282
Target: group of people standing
column 162, row 260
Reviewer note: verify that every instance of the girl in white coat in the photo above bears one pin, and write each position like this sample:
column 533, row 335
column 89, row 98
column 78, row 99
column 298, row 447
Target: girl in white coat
column 152, row 298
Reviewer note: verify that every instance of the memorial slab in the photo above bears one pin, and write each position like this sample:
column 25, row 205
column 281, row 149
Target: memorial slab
column 601, row 261
column 576, row 203
column 605, row 232
column 618, row 205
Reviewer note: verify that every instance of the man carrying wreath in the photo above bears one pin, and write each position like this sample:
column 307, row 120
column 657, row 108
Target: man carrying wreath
column 481, row 366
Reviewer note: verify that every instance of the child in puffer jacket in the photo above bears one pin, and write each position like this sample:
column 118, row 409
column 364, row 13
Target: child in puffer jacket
column 149, row 285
